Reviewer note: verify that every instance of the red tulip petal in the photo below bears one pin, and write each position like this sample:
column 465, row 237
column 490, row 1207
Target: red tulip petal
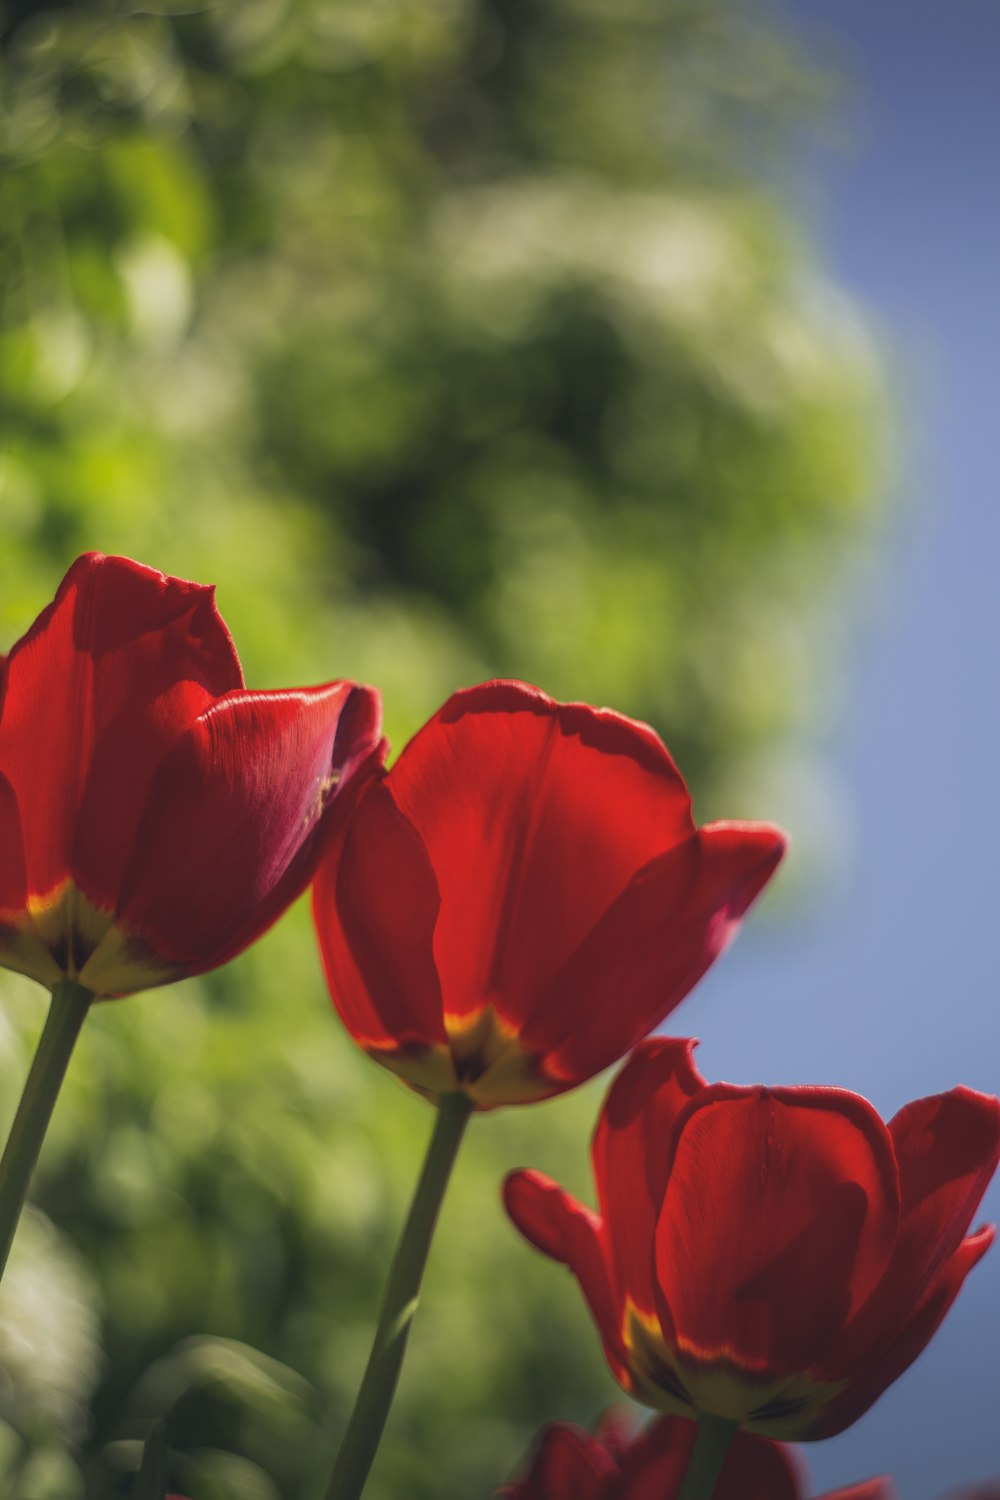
column 754, row 1469
column 779, row 1217
column 344, row 981
column 947, row 1148
column 569, row 1465
column 655, row 1465
column 13, row 876
column 631, row 1157
column 651, row 947
column 888, row 1364
column 96, row 692
column 376, row 907
column 736, row 862
column 567, row 1231
column 22, row 947
column 229, row 835
column 535, row 815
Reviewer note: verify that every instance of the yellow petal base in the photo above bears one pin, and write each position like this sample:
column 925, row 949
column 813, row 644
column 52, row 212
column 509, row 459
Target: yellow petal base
column 688, row 1383
column 484, row 1060
column 64, row 935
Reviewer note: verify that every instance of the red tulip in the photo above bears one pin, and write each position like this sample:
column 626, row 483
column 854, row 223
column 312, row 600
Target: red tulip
column 570, row 1464
column 155, row 816
column 525, row 895
column 775, row 1257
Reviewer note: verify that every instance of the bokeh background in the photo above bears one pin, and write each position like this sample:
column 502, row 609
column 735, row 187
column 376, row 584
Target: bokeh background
column 640, row 348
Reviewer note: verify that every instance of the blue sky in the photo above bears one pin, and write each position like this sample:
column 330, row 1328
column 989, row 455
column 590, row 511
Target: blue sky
column 891, row 988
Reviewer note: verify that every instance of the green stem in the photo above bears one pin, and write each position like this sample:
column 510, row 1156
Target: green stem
column 69, row 1007
column 399, row 1304
column 711, row 1444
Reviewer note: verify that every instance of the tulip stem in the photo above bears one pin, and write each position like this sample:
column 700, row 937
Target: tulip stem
column 711, row 1444
column 67, row 1012
column 399, row 1303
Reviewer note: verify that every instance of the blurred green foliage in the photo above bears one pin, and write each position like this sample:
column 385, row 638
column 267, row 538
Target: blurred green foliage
column 453, row 338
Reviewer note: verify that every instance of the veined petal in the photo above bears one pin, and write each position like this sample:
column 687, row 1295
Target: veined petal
column 884, row 1366
column 947, row 1148
column 95, row 694
column 620, row 980
column 779, row 1217
column 13, row 875
column 535, row 815
column 377, row 903
column 229, row 833
column 631, row 1156
column 651, row 947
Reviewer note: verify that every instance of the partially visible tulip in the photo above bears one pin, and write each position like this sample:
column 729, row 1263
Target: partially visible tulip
column 156, row 816
column 571, row 1464
column 524, row 896
column 772, row 1258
